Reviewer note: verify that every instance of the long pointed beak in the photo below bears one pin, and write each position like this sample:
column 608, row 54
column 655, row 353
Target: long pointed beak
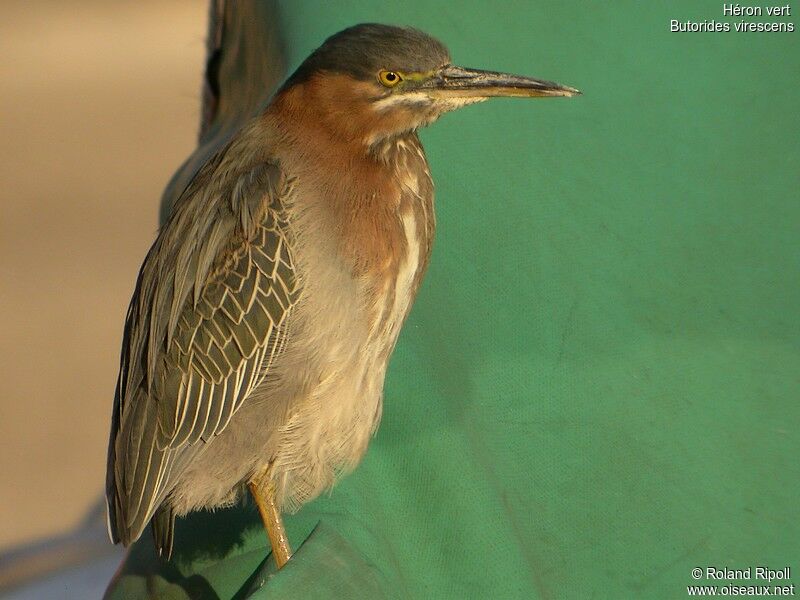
column 459, row 82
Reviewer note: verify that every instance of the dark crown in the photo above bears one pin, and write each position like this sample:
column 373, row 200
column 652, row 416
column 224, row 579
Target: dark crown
column 363, row 50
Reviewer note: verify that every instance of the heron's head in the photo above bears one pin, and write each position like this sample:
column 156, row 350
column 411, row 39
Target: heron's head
column 372, row 82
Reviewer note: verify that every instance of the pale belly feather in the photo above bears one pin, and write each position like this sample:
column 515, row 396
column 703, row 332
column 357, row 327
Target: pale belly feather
column 329, row 428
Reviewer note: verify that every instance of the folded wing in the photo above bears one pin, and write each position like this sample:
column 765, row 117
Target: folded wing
column 207, row 320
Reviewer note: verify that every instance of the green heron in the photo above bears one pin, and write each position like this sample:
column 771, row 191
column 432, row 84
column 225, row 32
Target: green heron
column 265, row 313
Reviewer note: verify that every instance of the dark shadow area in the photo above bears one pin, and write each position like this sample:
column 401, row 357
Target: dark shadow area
column 200, row 536
column 195, row 586
column 212, row 535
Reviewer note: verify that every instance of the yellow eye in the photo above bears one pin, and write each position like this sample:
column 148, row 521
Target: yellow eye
column 390, row 78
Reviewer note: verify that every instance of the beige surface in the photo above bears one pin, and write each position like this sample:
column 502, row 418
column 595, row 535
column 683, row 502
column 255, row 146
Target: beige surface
column 98, row 106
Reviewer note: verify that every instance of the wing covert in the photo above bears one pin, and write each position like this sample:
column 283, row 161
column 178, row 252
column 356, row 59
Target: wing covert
column 225, row 343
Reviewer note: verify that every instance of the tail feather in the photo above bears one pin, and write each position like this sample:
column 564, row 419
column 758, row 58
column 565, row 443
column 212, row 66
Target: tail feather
column 137, row 480
column 163, row 527
column 112, row 499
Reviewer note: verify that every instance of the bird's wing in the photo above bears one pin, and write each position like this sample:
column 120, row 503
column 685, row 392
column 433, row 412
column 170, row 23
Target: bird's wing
column 206, row 320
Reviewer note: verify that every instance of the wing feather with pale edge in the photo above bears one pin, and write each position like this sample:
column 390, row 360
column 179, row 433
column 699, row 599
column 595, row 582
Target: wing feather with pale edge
column 207, row 319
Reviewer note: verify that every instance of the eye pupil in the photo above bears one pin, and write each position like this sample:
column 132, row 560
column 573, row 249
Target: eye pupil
column 390, row 76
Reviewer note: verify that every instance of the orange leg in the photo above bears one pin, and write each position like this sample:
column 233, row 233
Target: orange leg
column 263, row 490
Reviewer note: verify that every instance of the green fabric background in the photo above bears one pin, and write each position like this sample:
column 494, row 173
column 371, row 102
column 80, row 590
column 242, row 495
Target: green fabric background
column 597, row 389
